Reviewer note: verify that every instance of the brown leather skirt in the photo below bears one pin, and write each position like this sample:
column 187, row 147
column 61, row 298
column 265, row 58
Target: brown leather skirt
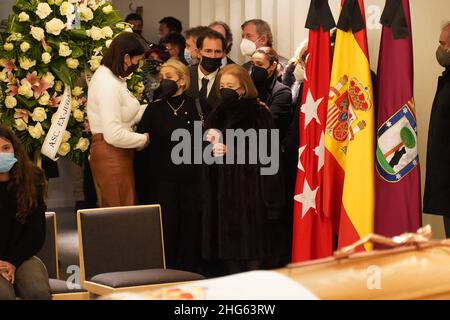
column 113, row 172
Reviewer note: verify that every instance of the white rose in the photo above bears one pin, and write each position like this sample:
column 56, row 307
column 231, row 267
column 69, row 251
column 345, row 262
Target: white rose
column 26, row 63
column 15, row 36
column 46, row 57
column 37, row 33
column 107, row 9
column 36, row 131
column 20, row 125
column 23, row 17
column 120, row 25
column 66, row 136
column 108, row 43
column 49, row 78
column 3, row 76
column 64, row 49
column 58, row 86
column 25, row 90
column 95, row 62
column 74, row 105
column 44, row 100
column 139, row 88
column 25, row 46
column 77, row 91
column 55, row 26
column 72, row 63
column 66, row 8
column 95, row 33
column 107, row 32
column 86, row 13
column 78, row 115
column 64, row 149
column 39, row 114
column 83, row 144
column 10, row 102
column 8, row 46
column 43, row 10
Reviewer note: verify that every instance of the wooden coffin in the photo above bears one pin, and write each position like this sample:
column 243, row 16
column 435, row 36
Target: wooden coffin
column 417, row 268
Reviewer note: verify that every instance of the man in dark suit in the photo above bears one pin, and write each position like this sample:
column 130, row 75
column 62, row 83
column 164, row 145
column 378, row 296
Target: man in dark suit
column 211, row 46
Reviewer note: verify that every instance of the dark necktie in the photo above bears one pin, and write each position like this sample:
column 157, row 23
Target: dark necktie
column 204, row 89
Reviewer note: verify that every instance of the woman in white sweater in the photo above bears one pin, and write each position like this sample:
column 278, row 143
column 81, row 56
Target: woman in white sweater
column 113, row 112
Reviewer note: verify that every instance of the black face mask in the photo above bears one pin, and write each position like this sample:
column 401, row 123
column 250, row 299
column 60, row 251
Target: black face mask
column 229, row 96
column 259, row 75
column 168, row 88
column 131, row 69
column 153, row 66
column 211, row 64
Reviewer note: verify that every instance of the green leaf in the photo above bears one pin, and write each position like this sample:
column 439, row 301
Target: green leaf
column 61, row 70
column 79, row 34
column 76, row 51
column 14, row 26
column 26, row 102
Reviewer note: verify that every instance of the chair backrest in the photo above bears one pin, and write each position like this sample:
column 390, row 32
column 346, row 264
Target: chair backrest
column 120, row 239
column 49, row 252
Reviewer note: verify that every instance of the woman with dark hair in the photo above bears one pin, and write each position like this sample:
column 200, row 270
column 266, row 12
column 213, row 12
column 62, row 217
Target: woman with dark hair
column 113, row 112
column 176, row 45
column 272, row 92
column 22, row 223
column 242, row 207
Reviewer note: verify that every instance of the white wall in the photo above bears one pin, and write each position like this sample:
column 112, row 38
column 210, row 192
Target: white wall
column 154, row 11
column 6, row 8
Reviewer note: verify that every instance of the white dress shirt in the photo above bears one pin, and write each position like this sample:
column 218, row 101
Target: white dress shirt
column 113, row 110
column 211, row 77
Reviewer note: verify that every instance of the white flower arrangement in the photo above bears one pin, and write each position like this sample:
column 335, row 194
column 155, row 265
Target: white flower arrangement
column 45, row 50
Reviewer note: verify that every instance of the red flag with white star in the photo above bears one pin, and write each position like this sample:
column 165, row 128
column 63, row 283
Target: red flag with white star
column 313, row 234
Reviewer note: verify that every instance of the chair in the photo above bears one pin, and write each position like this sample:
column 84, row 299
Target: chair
column 49, row 256
column 122, row 250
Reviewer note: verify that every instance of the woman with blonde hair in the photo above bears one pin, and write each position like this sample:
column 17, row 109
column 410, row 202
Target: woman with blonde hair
column 242, row 207
column 167, row 181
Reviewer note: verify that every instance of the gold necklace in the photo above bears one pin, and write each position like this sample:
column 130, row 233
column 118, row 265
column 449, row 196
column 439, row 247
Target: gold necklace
column 175, row 111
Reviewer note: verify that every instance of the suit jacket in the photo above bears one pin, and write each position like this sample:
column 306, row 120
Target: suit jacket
column 212, row 100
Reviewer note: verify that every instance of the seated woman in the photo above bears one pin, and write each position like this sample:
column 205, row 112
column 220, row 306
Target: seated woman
column 272, row 92
column 22, row 223
column 242, row 207
column 162, row 180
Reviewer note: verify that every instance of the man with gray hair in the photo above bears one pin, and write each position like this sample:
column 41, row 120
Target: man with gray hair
column 437, row 185
column 256, row 33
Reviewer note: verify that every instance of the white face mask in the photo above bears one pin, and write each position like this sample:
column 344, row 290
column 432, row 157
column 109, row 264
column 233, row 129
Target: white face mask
column 248, row 47
column 299, row 72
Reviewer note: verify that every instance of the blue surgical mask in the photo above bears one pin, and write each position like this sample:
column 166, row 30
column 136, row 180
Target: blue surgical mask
column 188, row 56
column 7, row 161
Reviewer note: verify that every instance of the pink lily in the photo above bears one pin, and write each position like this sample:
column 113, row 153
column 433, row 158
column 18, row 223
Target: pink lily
column 55, row 100
column 40, row 87
column 13, row 90
column 8, row 65
column 22, row 114
column 32, row 78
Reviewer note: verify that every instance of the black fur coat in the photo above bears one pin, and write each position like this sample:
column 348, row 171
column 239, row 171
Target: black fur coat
column 241, row 208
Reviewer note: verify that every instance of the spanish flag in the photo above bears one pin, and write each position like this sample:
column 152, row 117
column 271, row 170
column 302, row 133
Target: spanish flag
column 349, row 172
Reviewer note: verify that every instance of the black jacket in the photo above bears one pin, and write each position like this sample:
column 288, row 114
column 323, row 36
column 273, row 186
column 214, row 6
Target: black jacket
column 19, row 242
column 212, row 100
column 278, row 98
column 437, row 185
column 241, row 208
